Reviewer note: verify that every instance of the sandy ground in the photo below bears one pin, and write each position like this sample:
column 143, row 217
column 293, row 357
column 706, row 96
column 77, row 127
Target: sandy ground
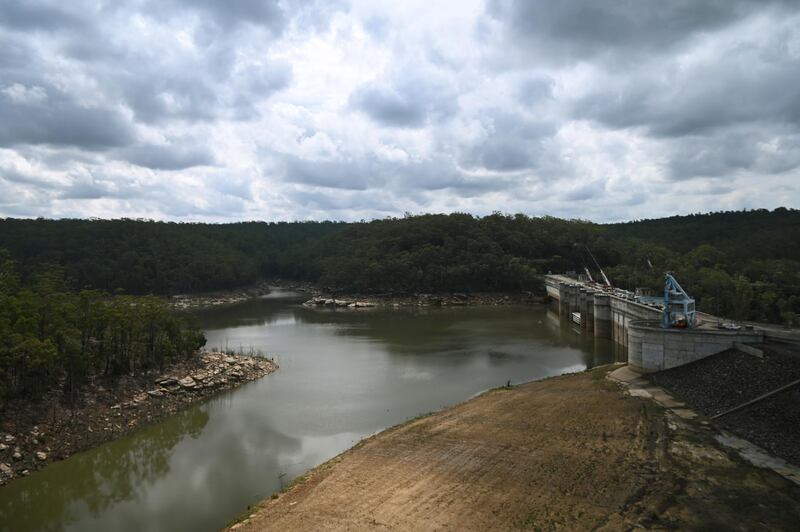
column 568, row 453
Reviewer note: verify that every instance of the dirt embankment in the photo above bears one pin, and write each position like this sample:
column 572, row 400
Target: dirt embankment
column 35, row 434
column 568, row 453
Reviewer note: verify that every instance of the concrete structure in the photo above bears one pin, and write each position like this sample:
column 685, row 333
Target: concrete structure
column 652, row 348
column 613, row 314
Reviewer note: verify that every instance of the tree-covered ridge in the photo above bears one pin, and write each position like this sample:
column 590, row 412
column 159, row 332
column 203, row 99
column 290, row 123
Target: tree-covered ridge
column 743, row 265
column 53, row 335
column 146, row 257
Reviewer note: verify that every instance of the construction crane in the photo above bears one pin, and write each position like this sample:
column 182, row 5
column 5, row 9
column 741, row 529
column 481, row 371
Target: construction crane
column 602, row 273
column 679, row 309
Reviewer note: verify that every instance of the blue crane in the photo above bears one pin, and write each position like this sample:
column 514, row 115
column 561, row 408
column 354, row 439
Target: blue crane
column 679, row 308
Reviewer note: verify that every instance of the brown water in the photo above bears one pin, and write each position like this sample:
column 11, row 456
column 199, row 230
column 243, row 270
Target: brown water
column 343, row 375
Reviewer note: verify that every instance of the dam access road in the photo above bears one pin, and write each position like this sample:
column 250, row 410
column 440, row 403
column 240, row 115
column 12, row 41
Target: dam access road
column 573, row 452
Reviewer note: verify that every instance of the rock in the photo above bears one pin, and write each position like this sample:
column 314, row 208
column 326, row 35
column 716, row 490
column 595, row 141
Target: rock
column 166, row 381
column 6, row 470
column 115, row 407
column 230, row 360
column 9, row 438
column 140, row 398
column 187, row 382
column 155, row 393
column 41, row 456
column 3, row 447
column 17, row 454
column 25, row 472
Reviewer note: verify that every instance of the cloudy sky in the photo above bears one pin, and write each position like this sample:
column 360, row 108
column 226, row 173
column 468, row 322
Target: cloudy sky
column 291, row 110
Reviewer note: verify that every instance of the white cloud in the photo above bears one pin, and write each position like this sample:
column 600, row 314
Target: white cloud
column 296, row 110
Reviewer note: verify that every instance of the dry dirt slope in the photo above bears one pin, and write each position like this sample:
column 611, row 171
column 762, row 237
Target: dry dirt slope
column 571, row 453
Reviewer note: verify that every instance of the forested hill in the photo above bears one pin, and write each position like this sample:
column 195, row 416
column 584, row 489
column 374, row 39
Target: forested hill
column 744, row 265
column 773, row 234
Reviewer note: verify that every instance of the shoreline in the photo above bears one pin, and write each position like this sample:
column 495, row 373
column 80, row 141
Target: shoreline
column 322, row 299
column 202, row 300
column 575, row 451
column 32, row 435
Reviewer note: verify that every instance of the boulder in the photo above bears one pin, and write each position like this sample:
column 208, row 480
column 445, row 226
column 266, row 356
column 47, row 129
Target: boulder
column 3, row 447
column 41, row 456
column 17, row 454
column 155, row 393
column 187, row 382
column 9, row 438
column 6, row 470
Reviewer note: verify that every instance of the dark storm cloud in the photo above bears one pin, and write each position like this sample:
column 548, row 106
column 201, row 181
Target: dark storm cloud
column 22, row 15
column 533, row 90
column 762, row 150
column 12, row 175
column 514, row 142
column 438, row 173
column 586, row 191
column 741, row 86
column 572, row 29
column 410, row 102
column 228, row 13
column 167, row 157
column 35, row 115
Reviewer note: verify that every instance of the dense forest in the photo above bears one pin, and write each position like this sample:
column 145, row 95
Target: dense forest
column 54, row 336
column 743, row 265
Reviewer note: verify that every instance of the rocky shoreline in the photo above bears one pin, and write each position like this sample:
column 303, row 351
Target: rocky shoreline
column 323, row 299
column 33, row 435
column 215, row 299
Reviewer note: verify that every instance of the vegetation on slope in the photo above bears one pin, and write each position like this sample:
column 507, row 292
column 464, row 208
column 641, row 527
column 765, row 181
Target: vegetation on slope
column 743, row 265
column 53, row 335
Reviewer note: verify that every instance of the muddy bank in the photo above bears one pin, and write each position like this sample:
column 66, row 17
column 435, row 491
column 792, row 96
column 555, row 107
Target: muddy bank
column 35, row 434
column 356, row 301
column 567, row 453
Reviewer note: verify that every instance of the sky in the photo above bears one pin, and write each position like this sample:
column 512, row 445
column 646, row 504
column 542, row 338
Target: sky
column 204, row 110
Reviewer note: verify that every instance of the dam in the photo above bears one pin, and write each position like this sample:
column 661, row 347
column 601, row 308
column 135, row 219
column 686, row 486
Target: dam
column 608, row 312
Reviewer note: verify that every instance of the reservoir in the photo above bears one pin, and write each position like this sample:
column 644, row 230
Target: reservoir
column 344, row 375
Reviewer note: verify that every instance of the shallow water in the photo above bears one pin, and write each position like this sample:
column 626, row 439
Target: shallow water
column 343, row 375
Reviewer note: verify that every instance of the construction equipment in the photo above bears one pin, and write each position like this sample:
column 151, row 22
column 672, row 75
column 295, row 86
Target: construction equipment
column 602, row 273
column 678, row 308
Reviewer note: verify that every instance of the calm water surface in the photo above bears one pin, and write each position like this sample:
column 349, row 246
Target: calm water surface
column 343, row 375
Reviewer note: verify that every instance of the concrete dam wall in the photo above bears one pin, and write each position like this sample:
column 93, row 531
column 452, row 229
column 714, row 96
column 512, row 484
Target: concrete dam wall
column 614, row 314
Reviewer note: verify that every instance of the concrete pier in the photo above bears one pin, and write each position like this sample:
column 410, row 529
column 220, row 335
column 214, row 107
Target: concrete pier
column 602, row 315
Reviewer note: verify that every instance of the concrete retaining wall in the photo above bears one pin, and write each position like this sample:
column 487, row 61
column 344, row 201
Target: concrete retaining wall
column 651, row 348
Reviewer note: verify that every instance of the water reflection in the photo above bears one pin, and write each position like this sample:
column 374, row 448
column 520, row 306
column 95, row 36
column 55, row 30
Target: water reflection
column 94, row 481
column 344, row 375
